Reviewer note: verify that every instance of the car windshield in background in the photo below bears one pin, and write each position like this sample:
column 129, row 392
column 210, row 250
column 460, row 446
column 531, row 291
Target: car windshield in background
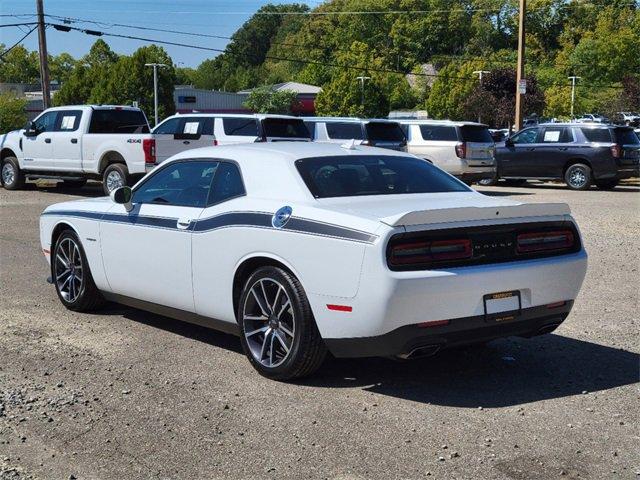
column 597, row 135
column 118, row 121
column 477, row 134
column 357, row 175
column 247, row 127
column 284, row 128
column 384, row 132
column 626, row 136
column 344, row 130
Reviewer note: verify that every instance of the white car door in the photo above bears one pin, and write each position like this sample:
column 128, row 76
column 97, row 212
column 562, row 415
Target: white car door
column 66, row 149
column 147, row 252
column 37, row 148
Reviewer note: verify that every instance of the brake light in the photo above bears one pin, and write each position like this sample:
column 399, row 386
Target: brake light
column 422, row 252
column 215, row 143
column 616, row 151
column 544, row 241
column 461, row 150
column 149, row 147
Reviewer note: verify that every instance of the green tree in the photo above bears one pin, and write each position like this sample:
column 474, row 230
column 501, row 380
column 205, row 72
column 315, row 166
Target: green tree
column 266, row 100
column 454, row 84
column 12, row 112
column 19, row 66
column 61, row 67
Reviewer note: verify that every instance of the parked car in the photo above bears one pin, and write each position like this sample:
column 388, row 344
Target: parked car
column 577, row 154
column 193, row 130
column 463, row 149
column 592, row 118
column 76, row 143
column 373, row 133
column 304, row 248
column 631, row 119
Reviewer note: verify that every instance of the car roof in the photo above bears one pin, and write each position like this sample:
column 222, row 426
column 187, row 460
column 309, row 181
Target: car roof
column 348, row 120
column 452, row 123
column 258, row 116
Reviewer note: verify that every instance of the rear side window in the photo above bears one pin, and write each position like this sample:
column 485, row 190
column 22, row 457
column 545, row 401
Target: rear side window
column 598, row 135
column 626, row 136
column 311, row 126
column 118, row 121
column 350, row 176
column 384, row 132
column 168, row 127
column 438, row 133
column 284, row 128
column 476, row 134
column 246, row 127
column 197, row 126
column 556, row 135
column 344, row 130
column 227, row 183
column 68, row 120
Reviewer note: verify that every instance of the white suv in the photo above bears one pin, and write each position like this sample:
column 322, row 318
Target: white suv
column 370, row 132
column 463, row 149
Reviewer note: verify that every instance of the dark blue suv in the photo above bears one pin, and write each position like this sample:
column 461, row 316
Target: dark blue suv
column 578, row 154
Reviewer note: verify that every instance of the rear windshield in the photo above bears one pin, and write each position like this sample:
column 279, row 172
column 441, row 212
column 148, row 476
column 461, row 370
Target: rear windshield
column 438, row 133
column 118, row 121
column 285, row 128
column 626, row 136
column 344, row 130
column 357, row 175
column 476, row 134
column 246, row 127
column 599, row 135
column 384, row 132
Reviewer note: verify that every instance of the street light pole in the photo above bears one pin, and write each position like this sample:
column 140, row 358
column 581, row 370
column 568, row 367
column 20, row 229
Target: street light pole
column 521, row 61
column 362, row 80
column 155, row 87
column 480, row 73
column 573, row 92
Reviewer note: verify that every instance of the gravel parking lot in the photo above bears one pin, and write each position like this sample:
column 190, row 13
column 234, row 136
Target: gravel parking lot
column 126, row 394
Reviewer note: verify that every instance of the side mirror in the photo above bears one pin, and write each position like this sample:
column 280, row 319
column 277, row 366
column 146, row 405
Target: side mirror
column 508, row 142
column 30, row 130
column 123, row 196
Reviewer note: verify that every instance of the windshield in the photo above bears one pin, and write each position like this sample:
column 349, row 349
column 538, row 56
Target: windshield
column 384, row 132
column 357, row 175
column 285, row 128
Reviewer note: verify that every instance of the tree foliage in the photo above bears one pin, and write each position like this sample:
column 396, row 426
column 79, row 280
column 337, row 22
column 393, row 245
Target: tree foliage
column 267, row 100
column 12, row 113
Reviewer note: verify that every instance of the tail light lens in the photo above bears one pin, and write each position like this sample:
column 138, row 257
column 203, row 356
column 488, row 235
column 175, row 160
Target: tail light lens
column 215, row 143
column 544, row 241
column 461, row 150
column 425, row 252
column 149, row 147
column 616, row 151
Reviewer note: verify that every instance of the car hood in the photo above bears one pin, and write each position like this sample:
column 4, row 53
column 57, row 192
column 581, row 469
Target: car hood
column 99, row 204
column 417, row 209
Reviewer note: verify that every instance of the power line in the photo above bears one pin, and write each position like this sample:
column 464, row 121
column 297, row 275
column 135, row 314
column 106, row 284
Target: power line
column 18, row 24
column 17, row 43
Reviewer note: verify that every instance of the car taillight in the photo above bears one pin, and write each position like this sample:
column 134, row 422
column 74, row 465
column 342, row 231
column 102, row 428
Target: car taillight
column 424, row 252
column 149, row 147
column 616, row 151
column 215, row 143
column 461, row 150
column 544, row 241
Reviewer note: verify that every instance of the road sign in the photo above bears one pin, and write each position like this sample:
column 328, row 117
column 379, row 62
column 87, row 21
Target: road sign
column 522, row 86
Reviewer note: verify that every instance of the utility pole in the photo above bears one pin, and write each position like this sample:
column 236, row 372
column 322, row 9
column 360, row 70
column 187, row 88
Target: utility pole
column 155, row 87
column 362, row 80
column 520, row 68
column 573, row 92
column 480, row 73
column 44, row 57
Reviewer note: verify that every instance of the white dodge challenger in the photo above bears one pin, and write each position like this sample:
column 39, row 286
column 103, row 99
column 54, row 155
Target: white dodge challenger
column 304, row 248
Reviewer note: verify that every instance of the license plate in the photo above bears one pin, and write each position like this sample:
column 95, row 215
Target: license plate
column 502, row 306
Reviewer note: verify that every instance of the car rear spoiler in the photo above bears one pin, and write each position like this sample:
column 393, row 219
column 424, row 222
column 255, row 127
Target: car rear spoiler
column 460, row 214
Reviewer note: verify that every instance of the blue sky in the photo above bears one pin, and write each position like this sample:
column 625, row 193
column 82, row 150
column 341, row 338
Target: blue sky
column 222, row 17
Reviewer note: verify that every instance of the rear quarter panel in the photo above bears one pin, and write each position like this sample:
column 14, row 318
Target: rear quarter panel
column 129, row 146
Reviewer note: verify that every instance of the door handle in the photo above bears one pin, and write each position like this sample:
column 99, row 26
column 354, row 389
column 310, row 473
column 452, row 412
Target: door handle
column 74, row 140
column 563, row 148
column 47, row 140
column 530, row 149
column 186, row 142
column 184, row 223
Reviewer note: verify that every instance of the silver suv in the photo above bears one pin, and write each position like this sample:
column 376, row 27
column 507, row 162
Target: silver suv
column 463, row 149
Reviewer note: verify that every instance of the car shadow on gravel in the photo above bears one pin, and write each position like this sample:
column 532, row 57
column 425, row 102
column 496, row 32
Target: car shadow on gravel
column 91, row 190
column 502, row 193
column 503, row 373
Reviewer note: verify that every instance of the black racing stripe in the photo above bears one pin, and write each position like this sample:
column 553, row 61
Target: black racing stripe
column 318, row 228
column 80, row 214
column 159, row 222
column 234, row 219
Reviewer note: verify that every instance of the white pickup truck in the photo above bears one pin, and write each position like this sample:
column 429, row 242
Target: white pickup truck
column 76, row 143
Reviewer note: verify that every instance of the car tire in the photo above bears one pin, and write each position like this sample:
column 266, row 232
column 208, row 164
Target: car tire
column 578, row 176
column 12, row 176
column 71, row 275
column 489, row 182
column 73, row 183
column 607, row 184
column 115, row 175
column 281, row 343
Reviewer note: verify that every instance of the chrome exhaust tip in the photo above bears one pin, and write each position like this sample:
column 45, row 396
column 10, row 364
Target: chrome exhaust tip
column 420, row 352
column 548, row 328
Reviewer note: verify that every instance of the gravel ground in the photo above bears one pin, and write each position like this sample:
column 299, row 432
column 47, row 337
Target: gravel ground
column 127, row 394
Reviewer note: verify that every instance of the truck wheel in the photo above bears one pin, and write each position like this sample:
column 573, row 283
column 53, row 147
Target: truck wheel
column 115, row 176
column 578, row 176
column 73, row 183
column 607, row 184
column 488, row 182
column 12, row 177
column 277, row 329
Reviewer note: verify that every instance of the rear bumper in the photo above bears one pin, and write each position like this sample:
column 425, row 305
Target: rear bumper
column 405, row 340
column 628, row 172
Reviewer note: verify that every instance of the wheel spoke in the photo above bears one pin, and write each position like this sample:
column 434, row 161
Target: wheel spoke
column 282, row 342
column 271, row 349
column 64, row 262
column 259, row 301
column 286, row 330
column 275, row 300
column 264, row 344
column 264, row 295
column 66, row 272
column 254, row 318
column 254, row 332
column 284, row 308
column 65, row 282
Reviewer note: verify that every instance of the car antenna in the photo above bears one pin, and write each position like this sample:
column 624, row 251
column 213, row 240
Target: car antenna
column 350, row 145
